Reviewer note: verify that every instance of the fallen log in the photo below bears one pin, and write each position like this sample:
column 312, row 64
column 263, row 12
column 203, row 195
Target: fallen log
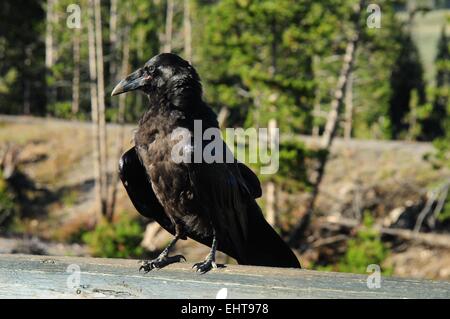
column 439, row 240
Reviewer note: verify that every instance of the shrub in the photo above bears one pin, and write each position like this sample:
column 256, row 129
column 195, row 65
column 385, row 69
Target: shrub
column 444, row 216
column 365, row 249
column 61, row 110
column 120, row 239
column 64, row 110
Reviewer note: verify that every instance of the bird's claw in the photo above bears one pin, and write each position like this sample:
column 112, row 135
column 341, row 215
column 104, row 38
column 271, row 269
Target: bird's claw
column 160, row 262
column 205, row 266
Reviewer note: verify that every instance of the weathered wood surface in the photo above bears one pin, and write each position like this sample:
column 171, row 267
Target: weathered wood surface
column 26, row 276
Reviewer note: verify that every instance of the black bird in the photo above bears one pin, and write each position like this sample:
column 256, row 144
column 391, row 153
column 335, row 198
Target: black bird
column 212, row 203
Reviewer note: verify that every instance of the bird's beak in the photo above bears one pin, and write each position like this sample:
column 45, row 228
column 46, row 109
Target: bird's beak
column 132, row 82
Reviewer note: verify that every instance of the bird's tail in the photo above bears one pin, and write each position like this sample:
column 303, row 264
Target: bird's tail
column 264, row 246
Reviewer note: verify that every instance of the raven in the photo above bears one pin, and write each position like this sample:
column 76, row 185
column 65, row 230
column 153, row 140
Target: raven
column 210, row 202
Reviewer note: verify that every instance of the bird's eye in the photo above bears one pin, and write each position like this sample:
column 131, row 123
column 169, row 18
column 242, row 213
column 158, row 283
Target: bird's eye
column 150, row 69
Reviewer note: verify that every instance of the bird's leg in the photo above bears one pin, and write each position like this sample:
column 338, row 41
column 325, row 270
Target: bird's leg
column 163, row 259
column 210, row 260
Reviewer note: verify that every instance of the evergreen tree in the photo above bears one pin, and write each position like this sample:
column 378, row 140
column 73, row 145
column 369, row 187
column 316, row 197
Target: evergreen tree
column 433, row 125
column 407, row 76
column 21, row 57
column 376, row 58
column 258, row 60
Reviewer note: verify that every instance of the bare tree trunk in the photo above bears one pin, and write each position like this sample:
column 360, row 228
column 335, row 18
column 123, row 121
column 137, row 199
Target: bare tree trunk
column 9, row 159
column 101, row 105
column 94, row 110
column 114, row 53
column 76, row 72
column 169, row 26
column 316, row 108
column 187, row 31
column 271, row 200
column 412, row 116
column 339, row 95
column 257, row 111
column 270, row 203
column 271, row 209
column 113, row 41
column 49, row 48
column 331, row 125
column 49, row 34
column 271, row 215
column 120, row 120
column 26, row 98
column 222, row 116
column 348, row 108
column 27, row 89
column 412, row 123
column 440, row 240
column 316, row 113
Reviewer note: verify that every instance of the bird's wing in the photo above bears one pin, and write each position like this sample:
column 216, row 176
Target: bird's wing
column 251, row 180
column 230, row 183
column 223, row 194
column 139, row 189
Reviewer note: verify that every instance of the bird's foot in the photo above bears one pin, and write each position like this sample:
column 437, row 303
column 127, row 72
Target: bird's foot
column 205, row 266
column 160, row 262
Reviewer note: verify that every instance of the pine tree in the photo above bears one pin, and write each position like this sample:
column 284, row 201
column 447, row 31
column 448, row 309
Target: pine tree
column 433, row 125
column 407, row 76
column 262, row 53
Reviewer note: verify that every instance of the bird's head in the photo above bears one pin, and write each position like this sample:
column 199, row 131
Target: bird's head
column 165, row 76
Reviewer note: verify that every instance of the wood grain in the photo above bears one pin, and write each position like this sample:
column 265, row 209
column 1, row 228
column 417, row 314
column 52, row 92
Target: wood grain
column 26, row 276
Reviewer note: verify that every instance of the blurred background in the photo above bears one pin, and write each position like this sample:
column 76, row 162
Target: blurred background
column 361, row 97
